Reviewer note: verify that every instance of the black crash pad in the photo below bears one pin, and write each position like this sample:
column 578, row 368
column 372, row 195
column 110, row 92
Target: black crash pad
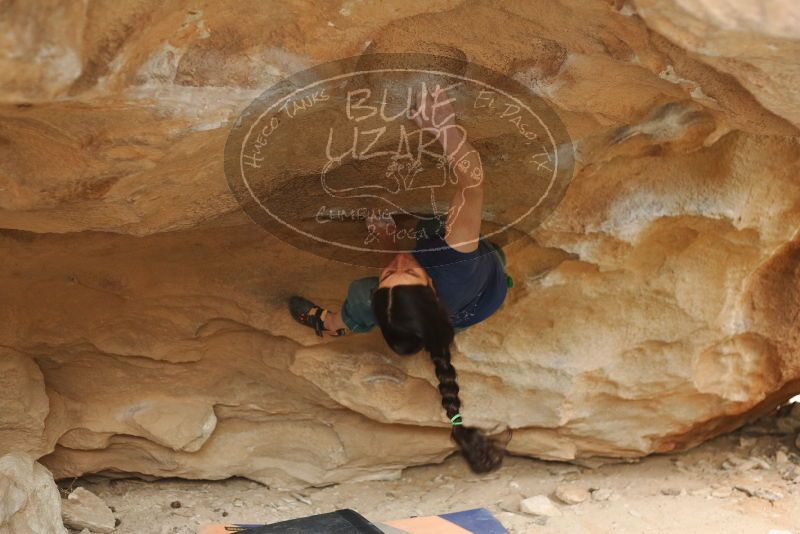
column 339, row 522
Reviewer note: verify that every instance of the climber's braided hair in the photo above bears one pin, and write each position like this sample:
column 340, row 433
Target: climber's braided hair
column 411, row 318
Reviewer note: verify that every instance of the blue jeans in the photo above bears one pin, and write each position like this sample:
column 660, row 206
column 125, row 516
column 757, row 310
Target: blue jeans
column 357, row 308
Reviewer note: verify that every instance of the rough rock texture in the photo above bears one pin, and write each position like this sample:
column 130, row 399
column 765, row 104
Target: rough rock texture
column 143, row 326
column 25, row 404
column 83, row 509
column 29, row 500
column 540, row 505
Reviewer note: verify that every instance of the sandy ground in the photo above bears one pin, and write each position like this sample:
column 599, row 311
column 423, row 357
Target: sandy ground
column 744, row 482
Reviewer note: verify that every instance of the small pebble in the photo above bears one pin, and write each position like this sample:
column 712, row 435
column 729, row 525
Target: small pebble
column 602, row 494
column 671, row 491
column 540, row 505
column 762, row 462
column 175, row 504
column 789, row 473
column 571, row 494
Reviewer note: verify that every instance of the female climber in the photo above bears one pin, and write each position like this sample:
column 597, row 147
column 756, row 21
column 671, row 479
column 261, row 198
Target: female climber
column 450, row 281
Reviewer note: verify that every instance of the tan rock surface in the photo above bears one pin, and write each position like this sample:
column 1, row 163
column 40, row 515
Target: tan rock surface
column 145, row 328
column 83, row 509
column 747, row 40
column 29, row 500
column 25, row 404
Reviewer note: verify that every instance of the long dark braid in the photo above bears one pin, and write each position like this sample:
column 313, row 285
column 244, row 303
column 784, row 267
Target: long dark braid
column 411, row 318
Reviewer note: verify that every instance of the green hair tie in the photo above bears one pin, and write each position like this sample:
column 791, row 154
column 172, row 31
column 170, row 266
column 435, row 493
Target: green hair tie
column 454, row 422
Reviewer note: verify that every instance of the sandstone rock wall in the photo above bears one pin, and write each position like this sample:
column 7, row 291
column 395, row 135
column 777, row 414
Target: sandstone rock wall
column 143, row 328
column 29, row 499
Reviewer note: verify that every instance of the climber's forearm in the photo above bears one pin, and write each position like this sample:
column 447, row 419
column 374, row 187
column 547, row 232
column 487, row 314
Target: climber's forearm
column 464, row 159
column 464, row 215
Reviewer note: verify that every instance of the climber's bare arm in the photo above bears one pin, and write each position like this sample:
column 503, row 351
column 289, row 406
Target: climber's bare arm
column 463, row 224
column 464, row 215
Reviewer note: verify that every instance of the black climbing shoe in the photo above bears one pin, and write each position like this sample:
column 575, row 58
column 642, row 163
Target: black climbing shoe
column 307, row 313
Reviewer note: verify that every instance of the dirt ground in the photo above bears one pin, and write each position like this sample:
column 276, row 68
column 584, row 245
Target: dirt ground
column 744, row 482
